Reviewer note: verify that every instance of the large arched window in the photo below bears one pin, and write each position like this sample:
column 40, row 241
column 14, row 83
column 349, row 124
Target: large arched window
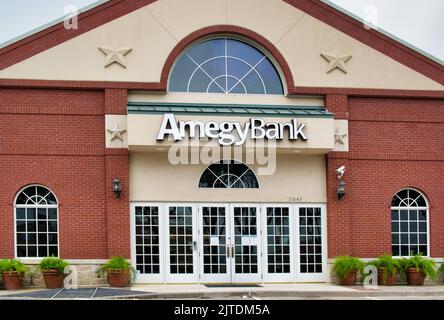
column 36, row 223
column 225, row 65
column 228, row 174
column 409, row 223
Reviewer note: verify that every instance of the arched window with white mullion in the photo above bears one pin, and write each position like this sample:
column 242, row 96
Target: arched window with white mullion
column 228, row 174
column 36, row 223
column 410, row 223
column 225, row 65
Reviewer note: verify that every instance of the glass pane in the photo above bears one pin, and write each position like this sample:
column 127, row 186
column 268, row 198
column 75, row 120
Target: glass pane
column 52, row 213
column 52, row 226
column 21, row 238
column 21, row 251
column 31, row 213
column 21, row 199
column 404, row 214
column 31, row 226
column 42, row 251
column 20, row 213
column 21, row 226
column 53, row 251
column 52, row 238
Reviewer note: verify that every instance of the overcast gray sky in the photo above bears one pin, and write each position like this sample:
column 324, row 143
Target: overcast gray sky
column 420, row 23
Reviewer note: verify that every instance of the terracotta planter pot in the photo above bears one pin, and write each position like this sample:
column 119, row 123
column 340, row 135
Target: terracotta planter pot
column 13, row 280
column 349, row 279
column 415, row 278
column 118, row 278
column 53, row 279
column 385, row 278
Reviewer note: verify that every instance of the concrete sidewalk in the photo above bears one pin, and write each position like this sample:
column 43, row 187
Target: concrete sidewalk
column 310, row 290
column 283, row 290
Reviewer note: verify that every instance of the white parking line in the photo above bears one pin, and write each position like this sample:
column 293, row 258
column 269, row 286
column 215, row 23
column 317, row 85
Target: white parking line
column 250, row 297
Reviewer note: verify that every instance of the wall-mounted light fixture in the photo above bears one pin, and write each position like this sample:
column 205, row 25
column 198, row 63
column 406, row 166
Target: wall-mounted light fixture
column 117, row 187
column 341, row 184
column 341, row 189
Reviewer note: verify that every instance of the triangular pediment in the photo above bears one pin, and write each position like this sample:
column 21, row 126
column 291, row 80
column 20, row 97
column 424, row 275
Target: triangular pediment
column 135, row 47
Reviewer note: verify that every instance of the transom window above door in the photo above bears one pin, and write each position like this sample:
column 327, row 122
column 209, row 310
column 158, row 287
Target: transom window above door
column 225, row 65
column 228, row 174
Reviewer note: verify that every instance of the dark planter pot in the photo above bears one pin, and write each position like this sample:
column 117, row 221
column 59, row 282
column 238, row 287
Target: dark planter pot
column 118, row 278
column 13, row 280
column 349, row 279
column 53, row 279
column 385, row 278
column 415, row 278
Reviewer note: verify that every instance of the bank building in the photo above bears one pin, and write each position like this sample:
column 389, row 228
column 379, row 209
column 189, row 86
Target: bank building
column 313, row 136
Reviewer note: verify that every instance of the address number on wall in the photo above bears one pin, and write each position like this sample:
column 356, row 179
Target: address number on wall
column 295, row 199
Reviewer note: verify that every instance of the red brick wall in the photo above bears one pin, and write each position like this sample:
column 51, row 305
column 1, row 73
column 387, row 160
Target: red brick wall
column 394, row 144
column 57, row 138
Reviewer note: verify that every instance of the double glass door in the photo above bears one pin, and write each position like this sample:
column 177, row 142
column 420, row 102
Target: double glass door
column 228, row 243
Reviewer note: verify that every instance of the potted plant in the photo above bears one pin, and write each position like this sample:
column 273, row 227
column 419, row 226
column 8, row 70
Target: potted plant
column 388, row 269
column 441, row 270
column 12, row 271
column 119, row 271
column 346, row 268
column 417, row 268
column 53, row 272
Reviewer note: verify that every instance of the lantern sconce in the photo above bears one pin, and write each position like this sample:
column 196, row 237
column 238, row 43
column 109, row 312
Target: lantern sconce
column 341, row 184
column 117, row 187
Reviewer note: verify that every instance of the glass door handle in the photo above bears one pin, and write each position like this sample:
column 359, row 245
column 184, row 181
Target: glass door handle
column 232, row 251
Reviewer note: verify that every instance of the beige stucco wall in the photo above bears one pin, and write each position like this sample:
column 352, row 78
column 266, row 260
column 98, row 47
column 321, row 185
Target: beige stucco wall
column 153, row 178
column 153, row 31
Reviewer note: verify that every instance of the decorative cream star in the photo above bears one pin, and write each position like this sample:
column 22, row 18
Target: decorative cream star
column 336, row 60
column 115, row 53
column 339, row 137
column 116, row 133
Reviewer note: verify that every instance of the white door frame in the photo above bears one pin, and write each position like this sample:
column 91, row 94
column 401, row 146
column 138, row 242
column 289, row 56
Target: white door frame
column 215, row 278
column 253, row 277
column 178, row 277
column 311, row 277
column 142, row 277
column 197, row 276
column 278, row 277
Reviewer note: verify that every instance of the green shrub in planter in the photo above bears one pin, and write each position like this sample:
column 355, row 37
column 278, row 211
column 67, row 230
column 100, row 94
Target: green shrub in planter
column 12, row 271
column 346, row 268
column 388, row 269
column 53, row 263
column 53, row 272
column 120, row 272
column 417, row 268
column 12, row 265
